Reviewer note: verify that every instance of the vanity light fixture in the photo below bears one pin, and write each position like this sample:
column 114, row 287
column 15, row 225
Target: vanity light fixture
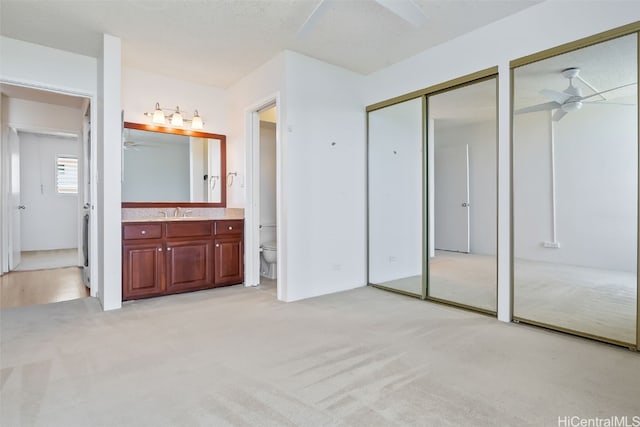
column 196, row 122
column 174, row 118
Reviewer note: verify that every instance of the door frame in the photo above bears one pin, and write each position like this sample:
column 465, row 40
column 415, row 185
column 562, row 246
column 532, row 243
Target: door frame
column 92, row 180
column 252, row 210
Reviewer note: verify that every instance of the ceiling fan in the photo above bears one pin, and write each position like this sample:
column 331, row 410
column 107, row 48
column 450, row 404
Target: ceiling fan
column 405, row 9
column 571, row 99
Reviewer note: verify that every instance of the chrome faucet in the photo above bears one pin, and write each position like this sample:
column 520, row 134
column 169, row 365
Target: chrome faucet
column 176, row 213
column 163, row 213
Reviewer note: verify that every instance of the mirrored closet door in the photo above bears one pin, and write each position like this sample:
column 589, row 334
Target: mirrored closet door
column 575, row 188
column 395, row 194
column 462, row 165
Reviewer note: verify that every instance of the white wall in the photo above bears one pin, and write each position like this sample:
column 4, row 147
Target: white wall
column 267, row 181
column 50, row 220
column 395, row 192
column 39, row 66
column 109, row 156
column 322, row 233
column 263, row 86
column 141, row 90
column 483, row 191
column 324, row 178
column 596, row 185
column 265, row 83
column 497, row 44
column 42, row 117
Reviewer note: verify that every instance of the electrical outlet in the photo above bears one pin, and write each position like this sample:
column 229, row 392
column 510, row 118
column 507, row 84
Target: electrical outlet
column 337, row 267
column 393, row 258
column 552, row 245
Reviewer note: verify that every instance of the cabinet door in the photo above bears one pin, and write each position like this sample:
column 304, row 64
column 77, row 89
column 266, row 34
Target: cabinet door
column 229, row 265
column 142, row 270
column 189, row 265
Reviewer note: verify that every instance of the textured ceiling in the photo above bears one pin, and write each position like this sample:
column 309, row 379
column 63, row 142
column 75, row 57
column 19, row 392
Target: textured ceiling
column 217, row 42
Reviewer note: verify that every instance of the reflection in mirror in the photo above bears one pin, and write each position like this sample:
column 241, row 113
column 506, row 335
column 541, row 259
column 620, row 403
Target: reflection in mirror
column 463, row 184
column 575, row 176
column 172, row 167
column 395, row 197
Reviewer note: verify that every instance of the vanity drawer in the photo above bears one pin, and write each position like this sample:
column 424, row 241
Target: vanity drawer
column 235, row 226
column 141, row 231
column 189, row 229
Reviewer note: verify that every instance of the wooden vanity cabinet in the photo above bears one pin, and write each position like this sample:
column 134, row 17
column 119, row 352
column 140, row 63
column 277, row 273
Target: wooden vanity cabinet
column 189, row 252
column 142, row 261
column 229, row 252
column 161, row 258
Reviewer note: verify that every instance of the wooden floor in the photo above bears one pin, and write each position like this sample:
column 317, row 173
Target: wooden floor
column 40, row 260
column 22, row 288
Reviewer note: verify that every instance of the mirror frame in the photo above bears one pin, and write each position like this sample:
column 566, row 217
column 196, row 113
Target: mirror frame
column 186, row 132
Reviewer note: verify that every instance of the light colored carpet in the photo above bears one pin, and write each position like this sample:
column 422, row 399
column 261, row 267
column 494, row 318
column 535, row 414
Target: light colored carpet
column 469, row 279
column 595, row 301
column 588, row 300
column 236, row 356
column 40, row 260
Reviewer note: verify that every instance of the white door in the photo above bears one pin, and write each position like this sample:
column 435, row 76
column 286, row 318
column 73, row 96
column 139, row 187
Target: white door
column 451, row 177
column 15, row 211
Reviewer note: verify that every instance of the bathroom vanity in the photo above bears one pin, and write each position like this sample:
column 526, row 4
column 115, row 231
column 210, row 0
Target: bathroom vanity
column 172, row 255
column 177, row 234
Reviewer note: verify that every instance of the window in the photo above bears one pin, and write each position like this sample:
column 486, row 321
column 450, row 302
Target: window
column 66, row 175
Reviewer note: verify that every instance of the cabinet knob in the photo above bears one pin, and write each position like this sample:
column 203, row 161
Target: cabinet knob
column 230, row 228
column 168, row 249
column 217, row 245
column 143, row 232
column 159, row 249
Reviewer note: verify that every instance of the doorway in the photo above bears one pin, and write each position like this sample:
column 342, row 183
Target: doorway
column 264, row 236
column 268, row 198
column 47, row 143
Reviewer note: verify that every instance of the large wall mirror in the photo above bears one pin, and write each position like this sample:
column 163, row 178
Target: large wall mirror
column 575, row 190
column 395, row 197
column 168, row 167
column 462, row 145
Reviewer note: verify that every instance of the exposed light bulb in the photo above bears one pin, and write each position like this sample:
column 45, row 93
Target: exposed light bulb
column 158, row 115
column 196, row 122
column 176, row 118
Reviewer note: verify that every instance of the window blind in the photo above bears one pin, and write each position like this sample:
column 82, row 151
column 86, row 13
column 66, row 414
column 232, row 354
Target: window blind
column 66, row 175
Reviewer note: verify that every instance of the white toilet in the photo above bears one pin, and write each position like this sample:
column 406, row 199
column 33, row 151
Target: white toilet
column 269, row 251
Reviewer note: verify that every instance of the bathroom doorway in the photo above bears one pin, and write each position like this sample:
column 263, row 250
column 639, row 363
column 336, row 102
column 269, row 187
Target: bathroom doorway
column 45, row 250
column 268, row 236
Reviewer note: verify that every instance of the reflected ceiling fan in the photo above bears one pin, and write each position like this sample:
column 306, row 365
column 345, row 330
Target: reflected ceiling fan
column 571, row 99
column 405, row 9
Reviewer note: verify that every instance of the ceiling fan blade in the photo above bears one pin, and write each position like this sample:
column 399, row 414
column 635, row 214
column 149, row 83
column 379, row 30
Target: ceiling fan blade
column 540, row 107
column 559, row 97
column 405, row 9
column 312, row 20
column 608, row 90
column 560, row 113
column 628, row 104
